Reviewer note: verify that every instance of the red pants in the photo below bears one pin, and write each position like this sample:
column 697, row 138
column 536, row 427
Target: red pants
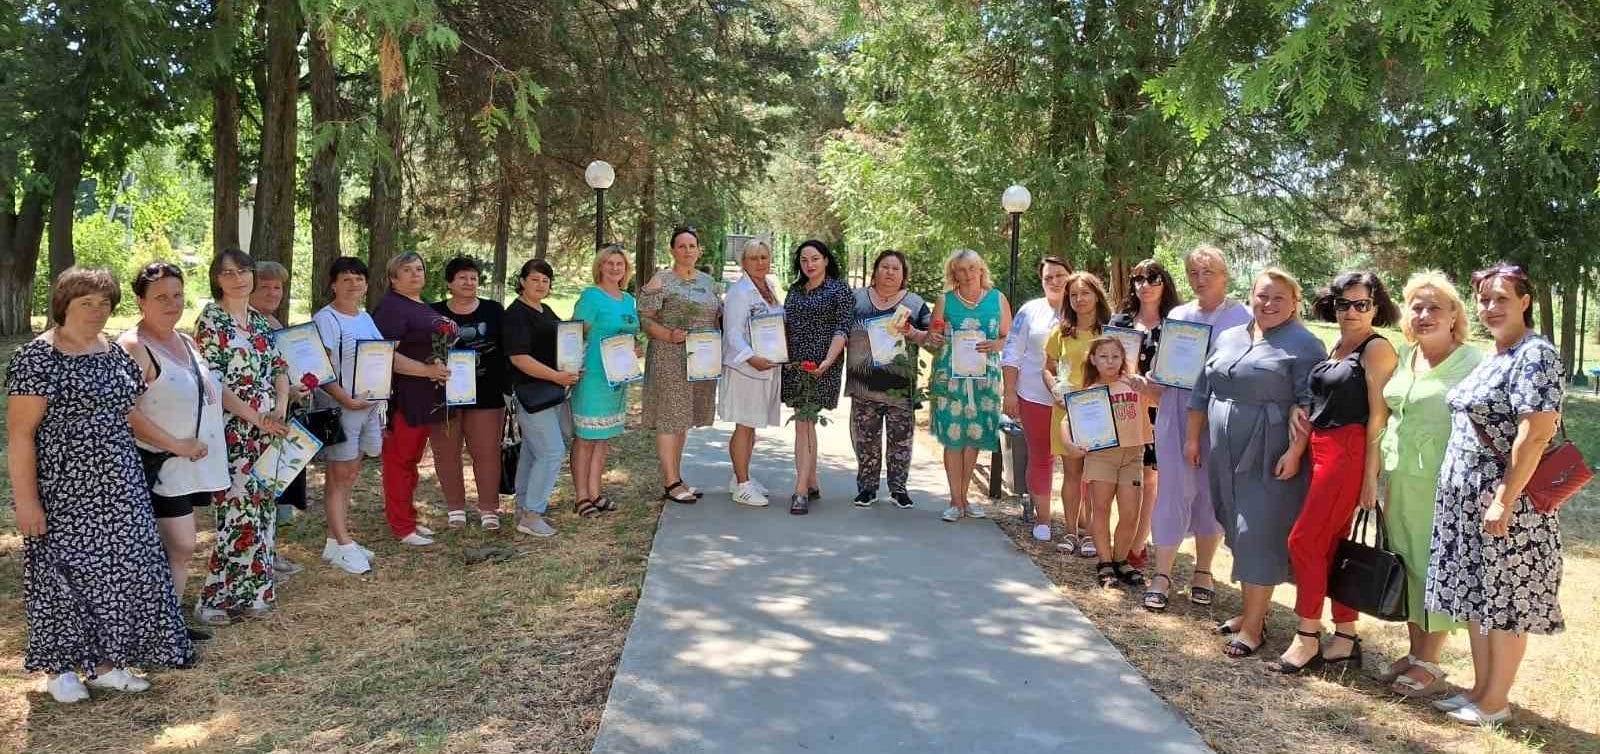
column 480, row 430
column 1338, row 463
column 1036, row 429
column 402, row 451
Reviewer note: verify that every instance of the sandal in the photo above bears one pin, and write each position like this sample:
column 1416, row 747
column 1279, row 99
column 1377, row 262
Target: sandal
column 799, row 505
column 1350, row 660
column 1106, row 573
column 1086, row 548
column 1199, row 595
column 1127, row 574
column 1397, row 669
column 814, row 494
column 587, row 509
column 489, row 521
column 687, row 498
column 1409, row 687
column 1285, row 667
column 605, row 503
column 1068, row 544
column 1155, row 601
column 455, row 519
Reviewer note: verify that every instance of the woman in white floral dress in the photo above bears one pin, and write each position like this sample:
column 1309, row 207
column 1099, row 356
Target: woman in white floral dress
column 1496, row 561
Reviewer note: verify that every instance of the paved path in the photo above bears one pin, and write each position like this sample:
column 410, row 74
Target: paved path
column 861, row 630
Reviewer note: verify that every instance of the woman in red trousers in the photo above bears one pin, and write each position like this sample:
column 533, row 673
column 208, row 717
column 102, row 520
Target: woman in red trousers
column 1347, row 420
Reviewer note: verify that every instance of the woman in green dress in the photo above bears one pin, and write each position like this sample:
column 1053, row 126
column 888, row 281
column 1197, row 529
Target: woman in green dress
column 966, row 411
column 1436, row 357
column 598, row 409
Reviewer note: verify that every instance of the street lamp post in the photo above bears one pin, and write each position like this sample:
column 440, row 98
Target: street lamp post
column 1015, row 201
column 599, row 176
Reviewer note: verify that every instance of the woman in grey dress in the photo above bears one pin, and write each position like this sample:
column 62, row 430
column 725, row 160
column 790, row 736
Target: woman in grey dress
column 1256, row 382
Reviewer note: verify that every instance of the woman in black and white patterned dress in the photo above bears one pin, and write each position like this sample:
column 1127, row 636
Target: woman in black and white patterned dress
column 1496, row 561
column 96, row 586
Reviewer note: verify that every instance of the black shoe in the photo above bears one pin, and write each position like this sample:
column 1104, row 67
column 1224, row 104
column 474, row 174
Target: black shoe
column 1288, row 668
column 1352, row 660
column 197, row 636
column 799, row 505
column 813, row 494
column 865, row 498
column 902, row 500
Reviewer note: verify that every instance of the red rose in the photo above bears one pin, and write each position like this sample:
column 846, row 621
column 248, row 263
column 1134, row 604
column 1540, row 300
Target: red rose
column 309, row 380
column 808, row 366
column 444, row 328
column 937, row 325
column 247, row 537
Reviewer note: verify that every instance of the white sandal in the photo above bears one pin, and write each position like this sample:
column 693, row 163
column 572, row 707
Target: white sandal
column 1409, row 687
column 456, row 519
column 489, row 521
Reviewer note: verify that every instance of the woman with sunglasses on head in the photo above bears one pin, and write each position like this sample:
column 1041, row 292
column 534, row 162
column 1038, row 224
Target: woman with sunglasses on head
column 1347, row 419
column 1152, row 295
column 1496, row 558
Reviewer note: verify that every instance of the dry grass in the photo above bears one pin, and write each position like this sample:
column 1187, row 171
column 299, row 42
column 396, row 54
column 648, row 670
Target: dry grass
column 1240, row 707
column 427, row 653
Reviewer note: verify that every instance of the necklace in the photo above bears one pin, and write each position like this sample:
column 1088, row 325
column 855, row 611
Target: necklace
column 884, row 302
column 971, row 303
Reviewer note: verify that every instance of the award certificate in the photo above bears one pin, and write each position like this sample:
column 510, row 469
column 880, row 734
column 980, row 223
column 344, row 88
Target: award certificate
column 569, row 346
column 374, row 370
column 1089, row 417
column 285, row 458
column 621, row 363
column 768, row 338
column 704, row 348
column 301, row 346
column 1182, row 354
column 1132, row 341
column 462, row 387
column 966, row 363
column 883, row 335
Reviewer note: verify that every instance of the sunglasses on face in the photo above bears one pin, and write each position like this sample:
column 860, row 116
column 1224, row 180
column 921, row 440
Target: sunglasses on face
column 1146, row 280
column 1362, row 305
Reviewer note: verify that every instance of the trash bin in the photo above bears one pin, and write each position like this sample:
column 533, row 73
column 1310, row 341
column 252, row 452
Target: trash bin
column 1017, row 463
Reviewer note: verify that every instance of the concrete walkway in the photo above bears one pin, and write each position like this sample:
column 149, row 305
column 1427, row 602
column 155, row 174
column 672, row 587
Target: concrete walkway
column 861, row 630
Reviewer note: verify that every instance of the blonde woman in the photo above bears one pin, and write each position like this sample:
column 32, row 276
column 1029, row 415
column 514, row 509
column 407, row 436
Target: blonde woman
column 748, row 395
column 966, row 412
column 1434, row 323
column 599, row 410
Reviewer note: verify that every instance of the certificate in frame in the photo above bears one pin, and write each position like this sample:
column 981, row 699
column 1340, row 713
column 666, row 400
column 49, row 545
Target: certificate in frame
column 301, row 347
column 373, row 377
column 462, row 387
column 1091, row 419
column 285, row 458
column 884, row 339
column 1182, row 354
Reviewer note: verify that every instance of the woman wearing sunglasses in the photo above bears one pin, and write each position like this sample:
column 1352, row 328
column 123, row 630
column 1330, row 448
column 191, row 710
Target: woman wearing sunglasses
column 1152, row 295
column 1348, row 415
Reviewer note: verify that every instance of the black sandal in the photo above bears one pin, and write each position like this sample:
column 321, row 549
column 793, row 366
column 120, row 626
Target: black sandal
column 1239, row 650
column 813, row 494
column 1128, row 574
column 1106, row 573
column 799, row 505
column 587, row 509
column 1285, row 667
column 1350, row 660
column 667, row 494
column 1155, row 601
column 605, row 504
column 1199, row 595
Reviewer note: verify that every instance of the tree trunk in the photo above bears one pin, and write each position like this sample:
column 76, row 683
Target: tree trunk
column 21, row 230
column 644, row 251
column 273, row 236
column 66, row 174
column 324, row 166
column 1569, row 323
column 1547, row 320
column 502, row 236
column 384, row 203
column 541, row 233
column 225, row 142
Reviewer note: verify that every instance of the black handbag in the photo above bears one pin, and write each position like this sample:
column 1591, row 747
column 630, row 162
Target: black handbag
column 326, row 425
column 538, row 395
column 1369, row 578
column 510, row 455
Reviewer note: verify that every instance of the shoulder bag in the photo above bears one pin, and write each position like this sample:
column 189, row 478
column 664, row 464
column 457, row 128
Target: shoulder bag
column 326, row 424
column 510, row 455
column 1369, row 578
column 1561, row 472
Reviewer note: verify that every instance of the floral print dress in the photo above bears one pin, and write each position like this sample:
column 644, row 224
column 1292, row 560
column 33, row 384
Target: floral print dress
column 96, row 588
column 239, row 573
column 966, row 412
column 1502, row 583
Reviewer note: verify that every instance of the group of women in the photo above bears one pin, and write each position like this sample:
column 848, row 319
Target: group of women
column 1273, row 450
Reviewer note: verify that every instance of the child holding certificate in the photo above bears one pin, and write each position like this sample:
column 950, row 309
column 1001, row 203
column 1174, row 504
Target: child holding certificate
column 1116, row 470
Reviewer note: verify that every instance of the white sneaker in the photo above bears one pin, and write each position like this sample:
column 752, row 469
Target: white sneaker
column 1041, row 532
column 976, row 511
column 733, row 485
column 748, row 494
column 67, row 688
column 423, row 530
column 350, row 559
column 120, row 679
column 416, row 539
column 1472, row 715
column 330, row 548
column 951, row 514
column 534, row 525
column 1452, row 703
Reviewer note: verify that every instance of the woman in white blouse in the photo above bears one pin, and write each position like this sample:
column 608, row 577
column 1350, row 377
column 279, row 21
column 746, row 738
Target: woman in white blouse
column 748, row 394
column 1026, row 397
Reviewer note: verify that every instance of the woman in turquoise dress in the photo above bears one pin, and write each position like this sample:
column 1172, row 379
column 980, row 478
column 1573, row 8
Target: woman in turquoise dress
column 599, row 410
column 1436, row 358
column 966, row 412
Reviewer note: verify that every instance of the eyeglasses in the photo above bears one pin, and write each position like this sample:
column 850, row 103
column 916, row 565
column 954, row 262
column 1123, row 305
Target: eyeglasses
column 1151, row 279
column 235, row 272
column 1362, row 305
